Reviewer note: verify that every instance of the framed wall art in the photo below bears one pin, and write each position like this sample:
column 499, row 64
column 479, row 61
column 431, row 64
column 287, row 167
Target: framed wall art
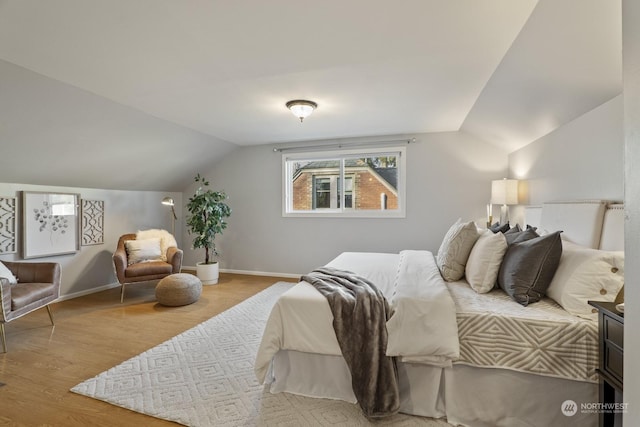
column 8, row 225
column 50, row 224
column 92, row 222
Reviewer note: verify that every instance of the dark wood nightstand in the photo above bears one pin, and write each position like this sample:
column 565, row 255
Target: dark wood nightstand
column 611, row 332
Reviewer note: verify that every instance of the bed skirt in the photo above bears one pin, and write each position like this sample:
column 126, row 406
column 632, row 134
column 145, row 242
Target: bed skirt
column 465, row 395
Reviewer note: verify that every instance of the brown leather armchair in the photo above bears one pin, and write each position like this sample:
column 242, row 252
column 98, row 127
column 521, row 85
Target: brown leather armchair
column 143, row 271
column 38, row 285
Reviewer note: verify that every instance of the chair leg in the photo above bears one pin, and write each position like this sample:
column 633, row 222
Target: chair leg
column 50, row 315
column 122, row 294
column 2, row 333
column 4, row 342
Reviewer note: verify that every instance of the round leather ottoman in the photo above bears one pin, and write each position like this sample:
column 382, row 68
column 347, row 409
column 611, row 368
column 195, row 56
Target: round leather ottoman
column 178, row 289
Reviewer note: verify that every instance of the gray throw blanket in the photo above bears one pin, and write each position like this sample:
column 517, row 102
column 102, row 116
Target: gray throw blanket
column 360, row 313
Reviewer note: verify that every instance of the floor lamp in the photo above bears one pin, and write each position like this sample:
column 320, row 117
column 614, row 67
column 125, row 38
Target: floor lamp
column 504, row 192
column 168, row 201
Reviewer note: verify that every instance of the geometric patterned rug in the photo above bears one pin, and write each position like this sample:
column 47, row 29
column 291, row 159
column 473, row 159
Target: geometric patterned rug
column 204, row 377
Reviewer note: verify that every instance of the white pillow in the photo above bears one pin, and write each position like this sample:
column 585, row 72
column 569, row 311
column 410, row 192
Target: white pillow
column 143, row 250
column 7, row 274
column 484, row 261
column 586, row 274
column 166, row 239
column 455, row 248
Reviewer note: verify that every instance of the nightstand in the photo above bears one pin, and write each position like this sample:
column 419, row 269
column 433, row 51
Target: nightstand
column 611, row 342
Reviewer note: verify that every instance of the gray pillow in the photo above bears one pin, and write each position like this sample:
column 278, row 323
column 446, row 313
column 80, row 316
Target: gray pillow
column 528, row 267
column 515, row 236
column 499, row 228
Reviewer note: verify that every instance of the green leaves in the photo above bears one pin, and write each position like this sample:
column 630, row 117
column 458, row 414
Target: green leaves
column 207, row 213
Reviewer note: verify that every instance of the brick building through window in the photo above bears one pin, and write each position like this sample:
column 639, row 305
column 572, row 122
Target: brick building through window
column 370, row 184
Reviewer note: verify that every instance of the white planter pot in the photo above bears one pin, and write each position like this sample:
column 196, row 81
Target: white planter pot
column 207, row 273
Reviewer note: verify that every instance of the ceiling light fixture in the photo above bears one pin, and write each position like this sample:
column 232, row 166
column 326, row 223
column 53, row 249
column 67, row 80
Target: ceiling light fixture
column 301, row 108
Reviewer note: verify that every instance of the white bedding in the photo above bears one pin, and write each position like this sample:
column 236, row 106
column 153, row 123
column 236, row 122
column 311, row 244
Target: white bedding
column 299, row 352
column 497, row 361
column 422, row 329
column 465, row 395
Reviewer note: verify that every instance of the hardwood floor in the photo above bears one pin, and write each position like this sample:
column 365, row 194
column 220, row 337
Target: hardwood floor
column 92, row 334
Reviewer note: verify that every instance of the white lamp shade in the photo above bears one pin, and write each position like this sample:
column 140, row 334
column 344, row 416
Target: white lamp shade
column 504, row 192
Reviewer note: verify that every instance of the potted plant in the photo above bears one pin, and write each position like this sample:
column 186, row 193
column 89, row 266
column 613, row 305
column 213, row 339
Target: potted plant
column 206, row 219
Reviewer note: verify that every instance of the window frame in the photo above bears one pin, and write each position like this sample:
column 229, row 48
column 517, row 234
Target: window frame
column 342, row 155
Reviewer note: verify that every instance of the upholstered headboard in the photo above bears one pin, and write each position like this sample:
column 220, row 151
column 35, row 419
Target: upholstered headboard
column 612, row 238
column 593, row 223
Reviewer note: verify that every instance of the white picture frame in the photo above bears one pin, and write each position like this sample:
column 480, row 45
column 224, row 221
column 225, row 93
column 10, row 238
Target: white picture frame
column 50, row 224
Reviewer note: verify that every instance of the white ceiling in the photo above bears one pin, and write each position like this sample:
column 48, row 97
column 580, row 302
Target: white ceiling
column 507, row 71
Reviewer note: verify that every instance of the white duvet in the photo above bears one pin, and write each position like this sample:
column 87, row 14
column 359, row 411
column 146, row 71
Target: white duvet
column 422, row 329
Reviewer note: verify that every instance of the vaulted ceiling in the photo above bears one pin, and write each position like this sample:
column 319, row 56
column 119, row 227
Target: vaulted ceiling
column 507, row 71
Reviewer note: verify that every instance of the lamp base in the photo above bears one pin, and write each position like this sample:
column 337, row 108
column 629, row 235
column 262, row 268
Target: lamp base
column 504, row 214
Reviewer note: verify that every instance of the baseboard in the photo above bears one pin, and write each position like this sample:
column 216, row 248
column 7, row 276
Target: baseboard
column 262, row 273
column 88, row 291
column 248, row 272
column 184, row 268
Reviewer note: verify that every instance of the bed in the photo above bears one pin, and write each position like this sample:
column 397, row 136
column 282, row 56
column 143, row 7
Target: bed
column 476, row 359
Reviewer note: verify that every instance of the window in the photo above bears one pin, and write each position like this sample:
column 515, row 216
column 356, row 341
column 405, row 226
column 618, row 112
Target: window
column 326, row 192
column 322, row 193
column 344, row 183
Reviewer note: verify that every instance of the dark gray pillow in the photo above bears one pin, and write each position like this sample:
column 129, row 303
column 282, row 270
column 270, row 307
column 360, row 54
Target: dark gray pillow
column 528, row 267
column 499, row 228
column 515, row 236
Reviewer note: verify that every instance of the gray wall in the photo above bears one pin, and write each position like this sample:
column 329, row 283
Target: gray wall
column 448, row 176
column 584, row 159
column 631, row 78
column 91, row 268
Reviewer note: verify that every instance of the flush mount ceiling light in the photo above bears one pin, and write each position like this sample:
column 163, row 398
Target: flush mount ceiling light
column 301, row 108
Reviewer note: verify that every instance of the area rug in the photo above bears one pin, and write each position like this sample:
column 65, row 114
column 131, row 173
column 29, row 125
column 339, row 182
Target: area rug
column 204, row 377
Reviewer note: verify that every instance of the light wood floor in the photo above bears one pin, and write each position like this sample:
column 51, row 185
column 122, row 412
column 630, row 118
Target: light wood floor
column 92, row 334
